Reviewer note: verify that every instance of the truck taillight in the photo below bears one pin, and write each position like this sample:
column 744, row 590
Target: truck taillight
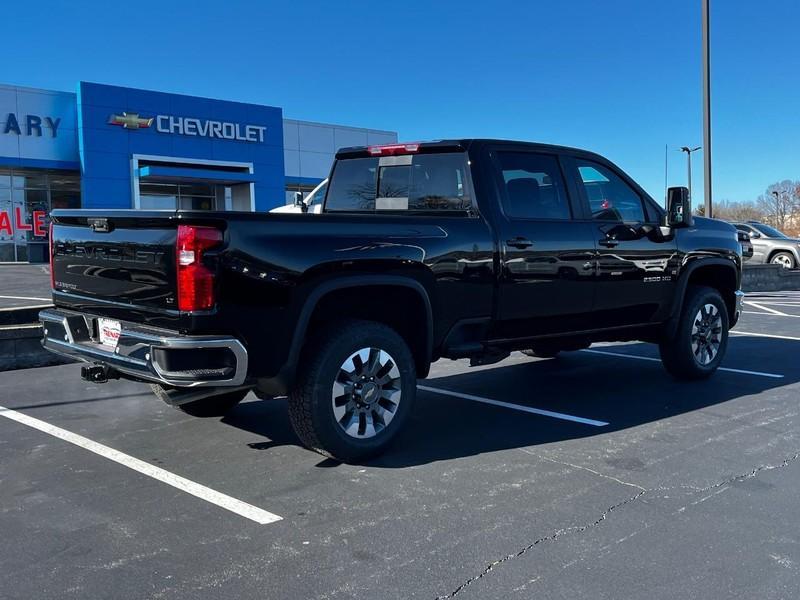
column 195, row 280
column 50, row 250
column 392, row 149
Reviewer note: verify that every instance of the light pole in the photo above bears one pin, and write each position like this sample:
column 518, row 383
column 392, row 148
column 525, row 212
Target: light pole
column 707, row 106
column 778, row 211
column 689, row 168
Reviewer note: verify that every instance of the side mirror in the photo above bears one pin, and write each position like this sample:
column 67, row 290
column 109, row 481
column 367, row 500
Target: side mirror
column 298, row 201
column 679, row 208
column 755, row 234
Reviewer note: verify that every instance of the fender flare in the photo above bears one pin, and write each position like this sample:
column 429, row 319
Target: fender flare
column 288, row 372
column 683, row 283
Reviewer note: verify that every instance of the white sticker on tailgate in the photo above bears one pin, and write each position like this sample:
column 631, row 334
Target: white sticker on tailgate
column 108, row 332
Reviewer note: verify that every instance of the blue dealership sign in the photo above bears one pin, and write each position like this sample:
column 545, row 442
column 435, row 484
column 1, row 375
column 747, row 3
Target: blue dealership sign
column 118, row 125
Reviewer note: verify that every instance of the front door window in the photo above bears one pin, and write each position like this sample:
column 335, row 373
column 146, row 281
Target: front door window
column 610, row 198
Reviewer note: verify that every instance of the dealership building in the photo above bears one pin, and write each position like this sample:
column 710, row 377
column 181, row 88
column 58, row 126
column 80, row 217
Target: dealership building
column 109, row 147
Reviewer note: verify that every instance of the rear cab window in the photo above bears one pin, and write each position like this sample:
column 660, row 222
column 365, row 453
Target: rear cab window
column 420, row 183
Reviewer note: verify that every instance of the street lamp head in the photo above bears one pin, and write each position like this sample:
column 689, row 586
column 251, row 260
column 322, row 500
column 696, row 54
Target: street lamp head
column 689, row 150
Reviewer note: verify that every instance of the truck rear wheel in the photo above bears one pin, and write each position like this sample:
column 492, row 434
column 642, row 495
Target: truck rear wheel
column 213, row 406
column 355, row 388
column 699, row 344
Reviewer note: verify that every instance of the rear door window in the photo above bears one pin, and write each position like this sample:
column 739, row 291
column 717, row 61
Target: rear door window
column 534, row 186
column 415, row 182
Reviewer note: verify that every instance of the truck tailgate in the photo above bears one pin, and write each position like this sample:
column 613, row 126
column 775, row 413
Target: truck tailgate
column 119, row 257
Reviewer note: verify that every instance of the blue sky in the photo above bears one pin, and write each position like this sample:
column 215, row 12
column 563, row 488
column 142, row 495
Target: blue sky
column 620, row 77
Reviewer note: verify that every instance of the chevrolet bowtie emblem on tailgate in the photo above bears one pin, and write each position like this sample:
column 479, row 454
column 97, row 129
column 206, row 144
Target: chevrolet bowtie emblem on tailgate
column 130, row 120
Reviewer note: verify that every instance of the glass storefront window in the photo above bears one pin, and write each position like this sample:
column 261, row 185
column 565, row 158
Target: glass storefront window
column 65, row 182
column 169, row 196
column 29, row 180
column 65, row 199
column 197, row 203
column 6, row 236
column 157, row 202
column 36, row 209
column 26, row 198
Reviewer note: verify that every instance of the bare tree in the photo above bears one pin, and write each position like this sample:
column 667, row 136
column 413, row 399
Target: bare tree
column 738, row 211
column 781, row 203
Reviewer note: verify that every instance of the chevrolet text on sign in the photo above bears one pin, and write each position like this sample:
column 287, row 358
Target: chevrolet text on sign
column 223, row 130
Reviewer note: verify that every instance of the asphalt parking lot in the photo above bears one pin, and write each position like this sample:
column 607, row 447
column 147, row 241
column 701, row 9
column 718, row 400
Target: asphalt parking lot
column 24, row 285
column 590, row 475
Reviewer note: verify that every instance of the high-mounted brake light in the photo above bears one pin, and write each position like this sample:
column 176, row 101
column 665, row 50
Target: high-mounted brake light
column 195, row 280
column 50, row 249
column 393, row 149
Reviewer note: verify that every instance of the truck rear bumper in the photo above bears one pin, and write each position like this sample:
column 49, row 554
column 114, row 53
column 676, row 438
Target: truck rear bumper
column 146, row 353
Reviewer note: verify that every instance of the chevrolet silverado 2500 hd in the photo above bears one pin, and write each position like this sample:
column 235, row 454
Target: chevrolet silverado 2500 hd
column 449, row 249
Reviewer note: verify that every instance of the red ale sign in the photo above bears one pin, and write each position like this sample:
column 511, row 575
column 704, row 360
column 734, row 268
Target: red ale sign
column 19, row 224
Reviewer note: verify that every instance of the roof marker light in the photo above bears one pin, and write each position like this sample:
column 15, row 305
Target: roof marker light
column 392, row 149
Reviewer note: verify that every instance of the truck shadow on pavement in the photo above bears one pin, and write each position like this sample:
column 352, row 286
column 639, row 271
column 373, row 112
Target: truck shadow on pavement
column 623, row 392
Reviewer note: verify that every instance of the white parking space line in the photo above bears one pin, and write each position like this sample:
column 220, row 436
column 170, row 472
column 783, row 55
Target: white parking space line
column 527, row 409
column 766, row 314
column 779, row 294
column 25, row 298
column 634, row 357
column 765, row 335
column 234, row 505
column 781, row 303
column 767, row 309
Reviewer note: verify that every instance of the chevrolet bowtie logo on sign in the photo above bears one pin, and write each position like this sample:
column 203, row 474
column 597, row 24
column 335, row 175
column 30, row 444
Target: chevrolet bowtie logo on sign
column 130, row 120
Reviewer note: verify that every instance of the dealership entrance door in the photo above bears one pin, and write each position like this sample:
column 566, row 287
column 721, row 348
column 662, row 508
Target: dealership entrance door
column 169, row 184
column 193, row 196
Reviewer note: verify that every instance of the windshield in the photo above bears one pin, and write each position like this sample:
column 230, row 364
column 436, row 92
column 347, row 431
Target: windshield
column 768, row 231
column 316, row 196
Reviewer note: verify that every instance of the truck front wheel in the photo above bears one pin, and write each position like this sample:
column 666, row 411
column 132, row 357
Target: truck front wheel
column 355, row 388
column 698, row 346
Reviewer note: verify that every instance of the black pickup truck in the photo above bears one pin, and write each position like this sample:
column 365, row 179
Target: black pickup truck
column 448, row 249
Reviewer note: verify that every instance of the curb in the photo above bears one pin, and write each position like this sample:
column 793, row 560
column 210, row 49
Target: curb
column 769, row 278
column 21, row 348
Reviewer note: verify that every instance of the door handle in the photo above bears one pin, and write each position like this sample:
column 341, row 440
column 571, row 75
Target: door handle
column 609, row 242
column 519, row 242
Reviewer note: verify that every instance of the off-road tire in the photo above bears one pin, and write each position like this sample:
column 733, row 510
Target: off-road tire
column 310, row 401
column 214, row 406
column 677, row 354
